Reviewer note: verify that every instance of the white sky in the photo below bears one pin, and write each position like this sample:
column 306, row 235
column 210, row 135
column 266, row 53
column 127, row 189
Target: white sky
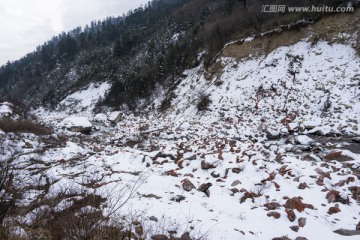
column 25, row 24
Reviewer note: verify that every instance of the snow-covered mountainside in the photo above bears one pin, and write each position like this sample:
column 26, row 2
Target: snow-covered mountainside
column 275, row 153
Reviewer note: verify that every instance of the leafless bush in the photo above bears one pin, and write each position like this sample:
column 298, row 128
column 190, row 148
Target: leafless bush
column 20, row 126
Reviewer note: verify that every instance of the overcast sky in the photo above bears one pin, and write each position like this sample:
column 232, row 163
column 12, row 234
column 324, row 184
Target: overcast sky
column 25, row 24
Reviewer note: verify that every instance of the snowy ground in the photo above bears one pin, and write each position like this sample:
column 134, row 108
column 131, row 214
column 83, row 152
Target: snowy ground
column 293, row 91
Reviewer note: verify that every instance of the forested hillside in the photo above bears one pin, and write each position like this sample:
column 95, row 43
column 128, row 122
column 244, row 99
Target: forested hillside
column 150, row 45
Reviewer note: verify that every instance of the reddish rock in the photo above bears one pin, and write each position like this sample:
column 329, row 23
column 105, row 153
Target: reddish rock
column 301, row 238
column 357, row 227
column 248, row 195
column 309, row 206
column 334, row 196
column 290, row 214
column 172, row 173
column 333, row 155
column 236, row 170
column 277, row 186
column 283, row 170
column 320, row 181
column 187, row 185
column 350, row 179
column 333, row 210
column 337, row 155
column 272, row 205
column 302, row 222
column 302, row 186
column 295, row 228
column 294, row 203
column 180, row 164
column 273, row 214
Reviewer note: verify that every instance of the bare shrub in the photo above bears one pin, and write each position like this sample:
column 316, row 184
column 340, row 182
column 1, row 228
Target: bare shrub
column 204, row 102
column 21, row 126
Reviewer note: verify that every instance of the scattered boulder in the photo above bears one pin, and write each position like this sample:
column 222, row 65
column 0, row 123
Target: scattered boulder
column 301, row 238
column 304, row 140
column 302, row 222
column 187, row 185
column 272, row 134
column 282, row 238
column 159, row 237
column 235, row 183
column 206, row 165
column 248, row 195
column 163, row 155
column 311, row 124
column 303, row 186
column 100, row 117
column 337, row 155
column 290, row 215
column 294, row 203
column 204, row 188
column 295, row 228
column 358, row 227
column 115, row 117
column 272, row 205
column 274, row 214
column 178, row 198
column 335, row 209
column 215, row 174
column 154, row 219
column 77, row 124
column 185, row 236
column 345, row 232
column 355, row 192
column 236, row 170
column 334, row 196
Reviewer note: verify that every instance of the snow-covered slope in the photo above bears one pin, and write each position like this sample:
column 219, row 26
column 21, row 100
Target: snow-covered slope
column 271, row 157
column 314, row 83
